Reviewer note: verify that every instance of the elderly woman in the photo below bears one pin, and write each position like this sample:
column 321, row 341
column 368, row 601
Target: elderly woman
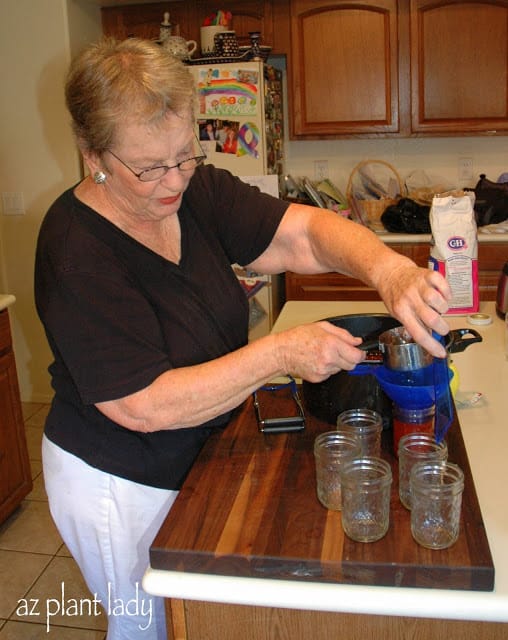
column 148, row 323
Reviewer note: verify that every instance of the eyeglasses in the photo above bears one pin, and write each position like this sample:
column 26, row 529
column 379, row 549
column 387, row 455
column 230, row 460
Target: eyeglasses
column 156, row 173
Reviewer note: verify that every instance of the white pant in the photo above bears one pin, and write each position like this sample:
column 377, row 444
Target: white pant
column 108, row 524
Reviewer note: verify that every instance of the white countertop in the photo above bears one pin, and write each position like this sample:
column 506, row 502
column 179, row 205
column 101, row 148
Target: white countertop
column 482, row 367
column 6, row 299
column 490, row 234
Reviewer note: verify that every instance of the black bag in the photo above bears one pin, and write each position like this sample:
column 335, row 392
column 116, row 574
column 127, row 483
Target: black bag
column 407, row 216
column 491, row 201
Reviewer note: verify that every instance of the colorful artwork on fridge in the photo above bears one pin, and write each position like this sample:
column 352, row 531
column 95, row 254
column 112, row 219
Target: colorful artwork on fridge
column 228, row 93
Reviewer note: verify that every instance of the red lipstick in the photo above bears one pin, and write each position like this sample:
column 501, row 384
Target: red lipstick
column 171, row 200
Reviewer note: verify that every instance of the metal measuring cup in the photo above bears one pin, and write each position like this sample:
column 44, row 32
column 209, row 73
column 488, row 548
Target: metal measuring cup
column 401, row 352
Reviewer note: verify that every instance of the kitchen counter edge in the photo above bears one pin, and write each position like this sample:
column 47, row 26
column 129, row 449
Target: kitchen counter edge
column 318, row 596
column 6, row 300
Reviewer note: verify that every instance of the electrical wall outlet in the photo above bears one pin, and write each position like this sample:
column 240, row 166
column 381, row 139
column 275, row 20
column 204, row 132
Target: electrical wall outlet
column 320, row 170
column 465, row 170
column 13, row 203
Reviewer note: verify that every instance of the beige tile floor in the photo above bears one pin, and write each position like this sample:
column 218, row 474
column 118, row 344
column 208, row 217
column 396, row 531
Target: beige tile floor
column 42, row 593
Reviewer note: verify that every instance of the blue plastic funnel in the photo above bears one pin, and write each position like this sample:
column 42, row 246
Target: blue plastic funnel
column 444, row 404
column 417, row 389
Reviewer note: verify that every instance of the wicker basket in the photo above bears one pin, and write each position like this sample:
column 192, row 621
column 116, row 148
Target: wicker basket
column 368, row 211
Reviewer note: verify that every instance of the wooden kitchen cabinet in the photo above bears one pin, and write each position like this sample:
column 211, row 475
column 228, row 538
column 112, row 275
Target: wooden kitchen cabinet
column 343, row 68
column 334, row 286
column 143, row 20
column 193, row 620
column 406, row 68
column 15, row 476
column 459, row 66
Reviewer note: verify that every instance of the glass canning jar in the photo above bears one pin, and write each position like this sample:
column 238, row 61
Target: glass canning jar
column 331, row 450
column 436, row 494
column 366, row 484
column 414, row 448
column 411, row 420
column 366, row 425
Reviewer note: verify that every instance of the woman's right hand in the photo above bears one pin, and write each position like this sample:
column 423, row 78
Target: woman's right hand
column 316, row 351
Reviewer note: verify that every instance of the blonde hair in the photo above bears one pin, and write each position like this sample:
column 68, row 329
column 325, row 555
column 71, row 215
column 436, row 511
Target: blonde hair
column 111, row 81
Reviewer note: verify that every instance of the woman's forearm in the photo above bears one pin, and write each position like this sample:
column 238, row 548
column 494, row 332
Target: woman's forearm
column 189, row 396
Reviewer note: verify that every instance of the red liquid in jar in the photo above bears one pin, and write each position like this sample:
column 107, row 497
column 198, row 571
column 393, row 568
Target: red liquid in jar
column 407, row 421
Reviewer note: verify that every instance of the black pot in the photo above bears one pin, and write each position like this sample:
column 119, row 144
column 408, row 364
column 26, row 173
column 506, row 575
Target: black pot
column 342, row 391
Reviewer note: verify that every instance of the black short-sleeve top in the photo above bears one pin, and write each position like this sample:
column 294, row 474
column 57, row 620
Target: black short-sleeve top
column 117, row 315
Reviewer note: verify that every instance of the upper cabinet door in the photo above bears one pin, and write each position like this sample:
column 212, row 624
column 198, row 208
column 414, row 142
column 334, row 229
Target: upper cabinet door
column 459, row 66
column 344, row 67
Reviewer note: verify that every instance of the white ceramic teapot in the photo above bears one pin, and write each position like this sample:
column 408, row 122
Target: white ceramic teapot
column 179, row 47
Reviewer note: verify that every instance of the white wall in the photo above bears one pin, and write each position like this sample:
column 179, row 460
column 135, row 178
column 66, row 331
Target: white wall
column 38, row 156
column 437, row 156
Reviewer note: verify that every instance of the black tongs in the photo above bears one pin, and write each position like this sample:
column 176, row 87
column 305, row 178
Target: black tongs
column 280, row 425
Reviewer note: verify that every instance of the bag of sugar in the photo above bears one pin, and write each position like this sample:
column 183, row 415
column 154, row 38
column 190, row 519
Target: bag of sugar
column 454, row 248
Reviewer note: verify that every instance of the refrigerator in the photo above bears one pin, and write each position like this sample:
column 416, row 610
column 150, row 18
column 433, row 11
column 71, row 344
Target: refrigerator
column 239, row 123
column 240, row 116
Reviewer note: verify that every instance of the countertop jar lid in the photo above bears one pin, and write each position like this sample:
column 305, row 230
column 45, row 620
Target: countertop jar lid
column 479, row 318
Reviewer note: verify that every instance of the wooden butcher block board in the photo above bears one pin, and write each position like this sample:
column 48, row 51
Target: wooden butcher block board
column 249, row 508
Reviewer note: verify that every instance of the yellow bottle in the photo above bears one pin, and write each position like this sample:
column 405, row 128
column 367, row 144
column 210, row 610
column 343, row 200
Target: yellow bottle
column 455, row 381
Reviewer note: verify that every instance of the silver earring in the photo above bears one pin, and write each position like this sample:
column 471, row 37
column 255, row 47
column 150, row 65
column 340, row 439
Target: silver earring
column 99, row 177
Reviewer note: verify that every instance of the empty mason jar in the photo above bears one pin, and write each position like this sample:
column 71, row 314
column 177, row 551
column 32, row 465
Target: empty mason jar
column 366, row 425
column 436, row 490
column 407, row 421
column 331, row 450
column 414, row 448
column 366, row 484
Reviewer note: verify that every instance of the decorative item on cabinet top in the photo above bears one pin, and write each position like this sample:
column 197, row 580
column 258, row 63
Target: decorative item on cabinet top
column 170, row 39
column 213, row 25
column 223, row 47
